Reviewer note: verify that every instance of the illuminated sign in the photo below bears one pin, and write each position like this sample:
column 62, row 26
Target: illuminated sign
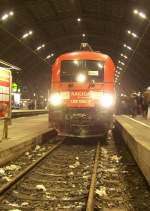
column 5, row 91
column 14, row 87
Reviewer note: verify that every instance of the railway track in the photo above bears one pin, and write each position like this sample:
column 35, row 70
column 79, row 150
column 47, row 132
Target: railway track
column 77, row 176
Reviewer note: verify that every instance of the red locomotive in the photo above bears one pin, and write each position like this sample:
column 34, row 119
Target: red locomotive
column 82, row 94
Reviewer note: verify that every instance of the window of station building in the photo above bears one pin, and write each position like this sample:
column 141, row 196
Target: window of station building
column 92, row 69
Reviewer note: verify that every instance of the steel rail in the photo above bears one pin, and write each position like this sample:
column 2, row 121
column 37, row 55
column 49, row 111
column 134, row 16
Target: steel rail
column 6, row 187
column 90, row 201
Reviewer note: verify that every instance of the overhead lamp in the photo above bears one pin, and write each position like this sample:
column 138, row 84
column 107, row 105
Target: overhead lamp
column 4, row 17
column 129, row 32
column 39, row 47
column 124, row 56
column 29, row 33
column 25, row 35
column 7, row 15
column 83, row 35
column 127, row 46
column 79, row 19
column 119, row 68
column 132, row 34
column 11, row 13
column 140, row 14
column 50, row 55
column 120, row 62
column 135, row 11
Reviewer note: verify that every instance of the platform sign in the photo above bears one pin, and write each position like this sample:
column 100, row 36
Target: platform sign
column 5, row 93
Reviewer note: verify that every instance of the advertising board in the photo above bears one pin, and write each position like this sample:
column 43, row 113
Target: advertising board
column 5, row 93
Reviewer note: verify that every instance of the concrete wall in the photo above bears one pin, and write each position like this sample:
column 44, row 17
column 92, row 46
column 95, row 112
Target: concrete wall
column 140, row 152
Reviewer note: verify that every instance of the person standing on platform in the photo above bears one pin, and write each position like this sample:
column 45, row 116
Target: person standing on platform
column 133, row 105
column 147, row 103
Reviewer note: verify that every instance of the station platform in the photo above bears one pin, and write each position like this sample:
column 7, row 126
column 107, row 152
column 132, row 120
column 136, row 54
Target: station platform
column 136, row 133
column 23, row 133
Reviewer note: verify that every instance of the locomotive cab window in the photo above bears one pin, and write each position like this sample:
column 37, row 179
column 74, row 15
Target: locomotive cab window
column 92, row 70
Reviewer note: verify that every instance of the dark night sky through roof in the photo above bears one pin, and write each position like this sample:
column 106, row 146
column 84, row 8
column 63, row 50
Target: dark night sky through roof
column 54, row 23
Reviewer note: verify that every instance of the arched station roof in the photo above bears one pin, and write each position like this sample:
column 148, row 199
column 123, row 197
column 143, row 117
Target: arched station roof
column 61, row 25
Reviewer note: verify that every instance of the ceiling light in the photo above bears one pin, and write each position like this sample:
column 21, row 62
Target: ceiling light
column 132, row 33
column 48, row 56
column 39, row 47
column 128, row 47
column 135, row 11
column 141, row 14
column 27, row 34
column 79, row 19
column 4, row 17
column 119, row 68
column 123, row 55
column 120, row 62
column 83, row 35
column 11, row 13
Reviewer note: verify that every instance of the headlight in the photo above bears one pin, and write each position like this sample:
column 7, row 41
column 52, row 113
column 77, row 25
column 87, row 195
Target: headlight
column 81, row 78
column 55, row 99
column 107, row 100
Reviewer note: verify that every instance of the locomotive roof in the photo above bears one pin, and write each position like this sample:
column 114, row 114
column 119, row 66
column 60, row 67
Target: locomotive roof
column 83, row 55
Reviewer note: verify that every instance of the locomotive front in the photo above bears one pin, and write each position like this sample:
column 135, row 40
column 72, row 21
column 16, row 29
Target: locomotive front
column 82, row 94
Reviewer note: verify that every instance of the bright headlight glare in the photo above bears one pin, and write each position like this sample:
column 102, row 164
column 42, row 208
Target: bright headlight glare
column 55, row 99
column 81, row 78
column 107, row 100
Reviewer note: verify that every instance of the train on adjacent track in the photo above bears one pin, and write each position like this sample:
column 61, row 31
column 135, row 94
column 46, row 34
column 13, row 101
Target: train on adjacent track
column 82, row 93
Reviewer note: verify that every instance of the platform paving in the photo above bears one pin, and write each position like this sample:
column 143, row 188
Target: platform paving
column 22, row 133
column 136, row 133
